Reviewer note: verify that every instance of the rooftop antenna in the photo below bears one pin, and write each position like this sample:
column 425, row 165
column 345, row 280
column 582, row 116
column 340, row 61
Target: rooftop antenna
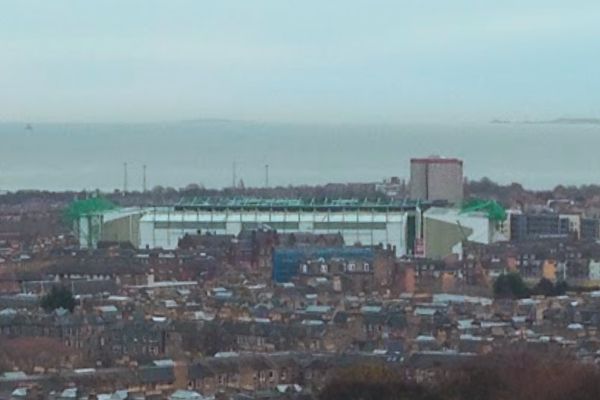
column 144, row 187
column 266, row 175
column 124, row 177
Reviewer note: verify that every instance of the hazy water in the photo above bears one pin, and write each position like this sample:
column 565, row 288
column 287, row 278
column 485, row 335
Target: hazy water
column 77, row 156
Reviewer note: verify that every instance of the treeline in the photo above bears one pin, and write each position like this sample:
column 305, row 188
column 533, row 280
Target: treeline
column 26, row 352
column 515, row 193
column 512, row 286
column 160, row 195
column 509, row 195
column 515, row 375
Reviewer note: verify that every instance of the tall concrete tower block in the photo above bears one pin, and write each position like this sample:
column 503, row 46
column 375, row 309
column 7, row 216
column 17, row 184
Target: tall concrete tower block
column 436, row 178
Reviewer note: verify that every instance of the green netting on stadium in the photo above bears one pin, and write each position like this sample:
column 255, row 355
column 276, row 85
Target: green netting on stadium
column 493, row 209
column 79, row 208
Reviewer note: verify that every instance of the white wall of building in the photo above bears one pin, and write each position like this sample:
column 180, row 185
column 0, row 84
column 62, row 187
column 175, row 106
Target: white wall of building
column 89, row 227
column 164, row 227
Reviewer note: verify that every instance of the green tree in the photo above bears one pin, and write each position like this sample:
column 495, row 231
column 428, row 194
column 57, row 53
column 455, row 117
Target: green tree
column 374, row 382
column 560, row 288
column 510, row 286
column 501, row 375
column 545, row 287
column 58, row 297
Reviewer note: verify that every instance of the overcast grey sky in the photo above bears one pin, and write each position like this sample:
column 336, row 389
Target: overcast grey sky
column 303, row 60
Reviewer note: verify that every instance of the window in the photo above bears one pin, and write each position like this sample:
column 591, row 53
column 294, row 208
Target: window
column 189, row 225
column 349, row 225
column 278, row 225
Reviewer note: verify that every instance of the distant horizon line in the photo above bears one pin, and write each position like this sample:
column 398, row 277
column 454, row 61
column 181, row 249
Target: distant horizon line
column 216, row 120
column 224, row 120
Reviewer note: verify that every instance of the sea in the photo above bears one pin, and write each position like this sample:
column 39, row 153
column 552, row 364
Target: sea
column 76, row 156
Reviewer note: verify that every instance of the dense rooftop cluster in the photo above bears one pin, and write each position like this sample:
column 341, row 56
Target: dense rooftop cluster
column 266, row 314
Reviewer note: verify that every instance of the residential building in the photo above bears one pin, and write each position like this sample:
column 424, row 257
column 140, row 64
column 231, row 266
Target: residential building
column 436, row 178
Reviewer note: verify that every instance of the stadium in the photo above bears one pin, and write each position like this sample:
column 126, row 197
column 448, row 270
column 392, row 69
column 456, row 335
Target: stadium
column 394, row 223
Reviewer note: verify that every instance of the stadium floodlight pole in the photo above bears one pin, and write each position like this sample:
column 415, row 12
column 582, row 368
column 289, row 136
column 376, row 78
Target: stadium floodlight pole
column 144, row 186
column 233, row 185
column 266, row 175
column 124, row 177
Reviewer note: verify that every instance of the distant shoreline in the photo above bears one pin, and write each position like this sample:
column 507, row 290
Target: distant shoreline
column 557, row 121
